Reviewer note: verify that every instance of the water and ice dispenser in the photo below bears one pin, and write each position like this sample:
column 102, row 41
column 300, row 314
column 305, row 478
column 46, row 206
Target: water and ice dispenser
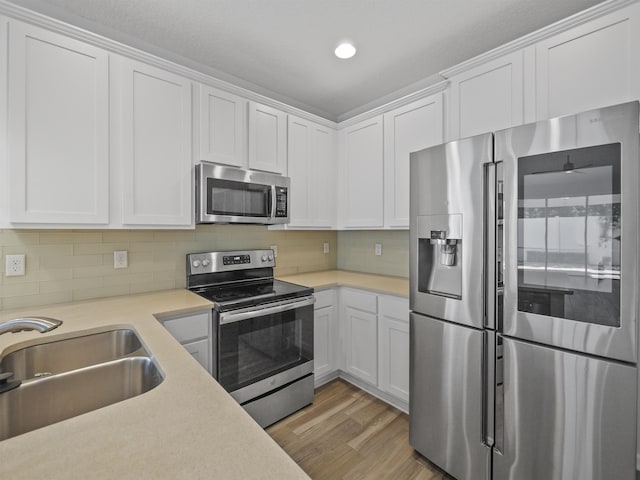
column 440, row 255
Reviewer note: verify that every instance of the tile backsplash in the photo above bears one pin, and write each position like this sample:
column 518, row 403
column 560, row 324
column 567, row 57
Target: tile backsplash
column 356, row 251
column 67, row 265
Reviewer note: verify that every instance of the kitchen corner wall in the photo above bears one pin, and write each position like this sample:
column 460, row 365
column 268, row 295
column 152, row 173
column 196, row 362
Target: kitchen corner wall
column 356, row 251
column 70, row 265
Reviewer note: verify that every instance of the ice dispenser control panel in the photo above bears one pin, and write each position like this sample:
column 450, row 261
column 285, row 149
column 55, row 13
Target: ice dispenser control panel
column 440, row 255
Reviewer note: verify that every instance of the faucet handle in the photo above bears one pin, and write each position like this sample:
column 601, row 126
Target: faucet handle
column 5, row 384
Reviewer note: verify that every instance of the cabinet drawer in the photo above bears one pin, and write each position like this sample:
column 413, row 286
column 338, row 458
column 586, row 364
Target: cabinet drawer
column 324, row 298
column 189, row 328
column 365, row 301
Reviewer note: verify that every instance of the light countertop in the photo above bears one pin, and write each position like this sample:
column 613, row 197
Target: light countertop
column 186, row 427
column 333, row 278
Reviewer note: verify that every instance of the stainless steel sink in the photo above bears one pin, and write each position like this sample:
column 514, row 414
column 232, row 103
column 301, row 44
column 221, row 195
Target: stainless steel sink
column 72, row 353
column 81, row 374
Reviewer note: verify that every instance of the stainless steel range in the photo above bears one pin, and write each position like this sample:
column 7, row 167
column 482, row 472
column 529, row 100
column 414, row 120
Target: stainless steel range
column 262, row 331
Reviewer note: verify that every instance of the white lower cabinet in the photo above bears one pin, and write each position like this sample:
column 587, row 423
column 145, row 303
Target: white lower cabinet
column 324, row 335
column 194, row 334
column 393, row 346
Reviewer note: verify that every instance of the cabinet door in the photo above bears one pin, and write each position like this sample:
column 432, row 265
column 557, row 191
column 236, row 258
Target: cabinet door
column 311, row 160
column 393, row 320
column 223, row 127
column 58, row 128
column 155, row 126
column 487, row 98
column 200, row 351
column 361, row 176
column 361, row 344
column 323, row 340
column 267, row 139
column 590, row 66
column 408, row 129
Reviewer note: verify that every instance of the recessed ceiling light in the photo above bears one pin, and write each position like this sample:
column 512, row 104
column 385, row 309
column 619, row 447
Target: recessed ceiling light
column 345, row 50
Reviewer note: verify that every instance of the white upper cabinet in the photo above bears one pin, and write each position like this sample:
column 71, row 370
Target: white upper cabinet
column 407, row 129
column 154, row 121
column 58, row 129
column 590, row 66
column 267, row 139
column 361, row 175
column 487, row 98
column 223, row 127
column 311, row 166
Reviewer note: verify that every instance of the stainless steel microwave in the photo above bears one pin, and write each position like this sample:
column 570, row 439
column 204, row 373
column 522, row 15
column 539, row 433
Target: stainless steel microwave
column 234, row 195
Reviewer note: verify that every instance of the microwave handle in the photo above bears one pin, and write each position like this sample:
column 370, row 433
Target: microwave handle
column 272, row 212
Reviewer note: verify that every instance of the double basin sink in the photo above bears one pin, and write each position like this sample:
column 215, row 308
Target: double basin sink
column 65, row 378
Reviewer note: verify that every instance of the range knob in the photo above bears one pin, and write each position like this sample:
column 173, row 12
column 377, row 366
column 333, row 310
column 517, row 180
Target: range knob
column 205, row 262
column 271, row 258
column 264, row 258
column 195, row 263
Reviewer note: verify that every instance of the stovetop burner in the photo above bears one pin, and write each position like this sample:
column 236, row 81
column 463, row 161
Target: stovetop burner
column 238, row 279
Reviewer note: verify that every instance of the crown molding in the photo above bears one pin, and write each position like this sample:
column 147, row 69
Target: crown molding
column 196, row 72
column 541, row 34
column 438, row 87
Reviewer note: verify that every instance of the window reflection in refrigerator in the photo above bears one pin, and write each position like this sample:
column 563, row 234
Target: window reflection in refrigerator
column 569, row 217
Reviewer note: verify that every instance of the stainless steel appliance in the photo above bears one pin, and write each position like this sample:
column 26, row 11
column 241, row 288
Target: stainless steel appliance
column 233, row 195
column 524, row 299
column 263, row 331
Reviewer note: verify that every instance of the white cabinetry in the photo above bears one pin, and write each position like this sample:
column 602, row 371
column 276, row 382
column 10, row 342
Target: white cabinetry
column 487, row 98
column 360, row 326
column 325, row 336
column 223, row 127
column 590, row 66
column 267, row 139
column 407, row 129
column 58, row 129
column 361, row 175
column 194, row 334
column 311, row 167
column 155, row 144
column 393, row 321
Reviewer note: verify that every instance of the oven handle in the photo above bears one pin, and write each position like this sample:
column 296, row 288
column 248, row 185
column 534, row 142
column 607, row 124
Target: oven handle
column 269, row 309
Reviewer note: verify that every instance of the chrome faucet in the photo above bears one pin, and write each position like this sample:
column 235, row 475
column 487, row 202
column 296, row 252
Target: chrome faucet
column 42, row 324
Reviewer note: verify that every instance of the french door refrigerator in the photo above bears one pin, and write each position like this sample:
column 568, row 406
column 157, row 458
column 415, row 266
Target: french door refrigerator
column 524, row 300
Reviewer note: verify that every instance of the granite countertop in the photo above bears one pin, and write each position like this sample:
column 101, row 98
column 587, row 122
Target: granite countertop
column 332, row 278
column 187, row 427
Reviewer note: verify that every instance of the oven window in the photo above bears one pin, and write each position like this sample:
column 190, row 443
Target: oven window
column 253, row 349
column 569, row 224
column 226, row 197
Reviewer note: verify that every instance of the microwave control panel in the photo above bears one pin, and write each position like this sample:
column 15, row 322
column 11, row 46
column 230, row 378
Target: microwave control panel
column 281, row 201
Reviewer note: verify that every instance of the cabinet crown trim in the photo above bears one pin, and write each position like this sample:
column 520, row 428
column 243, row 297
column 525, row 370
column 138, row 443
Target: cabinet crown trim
column 541, row 34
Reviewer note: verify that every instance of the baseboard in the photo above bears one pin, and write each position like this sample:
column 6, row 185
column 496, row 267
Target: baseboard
column 384, row 396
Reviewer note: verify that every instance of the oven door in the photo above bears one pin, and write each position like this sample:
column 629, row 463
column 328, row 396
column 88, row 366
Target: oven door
column 264, row 347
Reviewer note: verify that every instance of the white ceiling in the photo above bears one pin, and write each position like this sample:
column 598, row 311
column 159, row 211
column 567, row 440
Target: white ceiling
column 284, row 48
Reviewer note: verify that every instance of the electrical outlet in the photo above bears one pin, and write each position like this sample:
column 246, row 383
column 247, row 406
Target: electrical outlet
column 378, row 249
column 14, row 265
column 325, row 247
column 275, row 250
column 120, row 259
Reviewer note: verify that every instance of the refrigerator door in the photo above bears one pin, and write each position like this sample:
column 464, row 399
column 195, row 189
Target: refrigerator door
column 566, row 416
column 446, row 397
column 446, row 234
column 570, row 191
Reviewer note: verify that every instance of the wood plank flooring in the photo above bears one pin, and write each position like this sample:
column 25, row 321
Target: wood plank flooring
column 348, row 434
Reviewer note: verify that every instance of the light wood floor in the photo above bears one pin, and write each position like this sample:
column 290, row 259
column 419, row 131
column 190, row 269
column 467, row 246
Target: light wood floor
column 348, row 434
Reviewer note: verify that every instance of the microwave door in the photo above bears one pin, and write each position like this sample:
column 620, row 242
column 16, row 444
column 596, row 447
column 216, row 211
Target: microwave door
column 570, row 231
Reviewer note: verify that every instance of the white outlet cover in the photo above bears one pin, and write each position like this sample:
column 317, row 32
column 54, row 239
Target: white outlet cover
column 325, row 247
column 120, row 259
column 378, row 249
column 14, row 265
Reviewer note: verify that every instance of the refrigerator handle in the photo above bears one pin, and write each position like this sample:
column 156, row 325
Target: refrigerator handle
column 488, row 387
column 490, row 222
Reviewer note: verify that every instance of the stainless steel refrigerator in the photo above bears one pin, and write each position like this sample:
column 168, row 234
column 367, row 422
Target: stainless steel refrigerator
column 524, row 300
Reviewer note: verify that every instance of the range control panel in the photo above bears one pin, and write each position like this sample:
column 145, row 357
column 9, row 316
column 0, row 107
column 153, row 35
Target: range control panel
column 212, row 262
